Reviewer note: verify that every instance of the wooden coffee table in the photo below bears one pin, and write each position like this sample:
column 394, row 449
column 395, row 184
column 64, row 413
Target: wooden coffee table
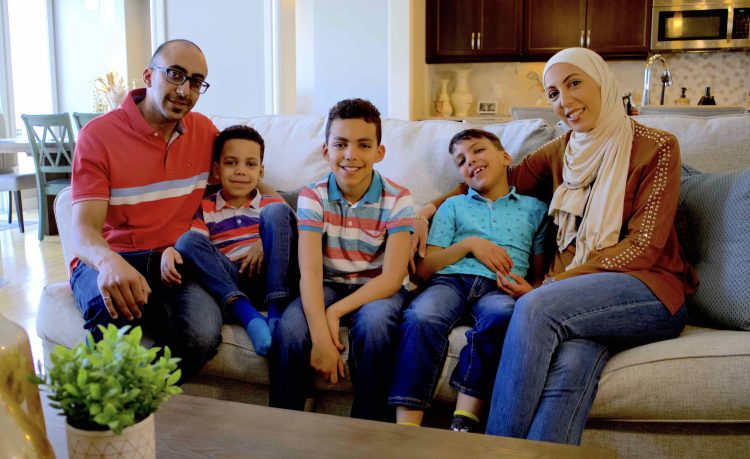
column 196, row 427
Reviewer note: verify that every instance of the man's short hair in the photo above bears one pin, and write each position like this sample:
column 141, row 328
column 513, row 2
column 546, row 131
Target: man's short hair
column 166, row 44
column 355, row 109
column 237, row 131
column 467, row 134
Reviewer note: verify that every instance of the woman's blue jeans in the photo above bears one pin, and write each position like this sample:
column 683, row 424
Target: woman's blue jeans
column 557, row 344
column 424, row 338
column 373, row 334
column 221, row 277
column 184, row 317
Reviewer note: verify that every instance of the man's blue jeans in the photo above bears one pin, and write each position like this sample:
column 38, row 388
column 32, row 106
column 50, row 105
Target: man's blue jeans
column 183, row 317
column 373, row 331
column 424, row 338
column 557, row 344
column 221, row 277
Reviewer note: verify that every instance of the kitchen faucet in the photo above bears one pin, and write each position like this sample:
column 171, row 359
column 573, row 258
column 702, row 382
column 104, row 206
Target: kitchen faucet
column 666, row 79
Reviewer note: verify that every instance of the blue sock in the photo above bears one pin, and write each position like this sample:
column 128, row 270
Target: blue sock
column 254, row 322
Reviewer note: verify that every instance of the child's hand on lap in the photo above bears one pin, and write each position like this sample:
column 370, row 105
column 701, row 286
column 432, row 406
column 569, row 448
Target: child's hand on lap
column 515, row 288
column 333, row 320
column 326, row 360
column 252, row 263
column 490, row 254
column 169, row 259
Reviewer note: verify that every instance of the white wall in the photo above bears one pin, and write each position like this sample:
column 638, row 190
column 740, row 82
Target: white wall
column 350, row 52
column 232, row 34
column 89, row 42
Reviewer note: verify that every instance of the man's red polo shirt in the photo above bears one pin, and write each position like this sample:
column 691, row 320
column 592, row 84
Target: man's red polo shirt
column 153, row 188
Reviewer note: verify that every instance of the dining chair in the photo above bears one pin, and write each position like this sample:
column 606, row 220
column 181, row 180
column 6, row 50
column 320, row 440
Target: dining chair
column 82, row 118
column 52, row 145
column 13, row 182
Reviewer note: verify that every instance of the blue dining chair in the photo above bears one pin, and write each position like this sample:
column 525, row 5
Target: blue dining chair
column 52, row 145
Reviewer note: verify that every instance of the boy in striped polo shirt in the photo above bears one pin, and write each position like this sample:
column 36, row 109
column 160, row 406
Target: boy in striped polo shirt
column 241, row 242
column 354, row 246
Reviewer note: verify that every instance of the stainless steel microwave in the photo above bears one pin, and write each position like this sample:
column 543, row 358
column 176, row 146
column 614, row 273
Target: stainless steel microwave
column 696, row 24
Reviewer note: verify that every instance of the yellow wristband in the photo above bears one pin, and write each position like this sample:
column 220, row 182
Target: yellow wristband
column 422, row 218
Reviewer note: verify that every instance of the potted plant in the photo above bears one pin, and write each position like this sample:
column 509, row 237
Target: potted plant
column 108, row 391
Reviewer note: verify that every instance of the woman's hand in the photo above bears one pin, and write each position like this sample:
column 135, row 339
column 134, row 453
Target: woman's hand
column 419, row 237
column 515, row 288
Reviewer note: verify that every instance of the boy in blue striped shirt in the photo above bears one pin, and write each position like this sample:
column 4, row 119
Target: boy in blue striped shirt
column 355, row 227
column 241, row 242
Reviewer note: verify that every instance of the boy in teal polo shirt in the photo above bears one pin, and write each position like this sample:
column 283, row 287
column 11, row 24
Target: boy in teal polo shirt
column 477, row 241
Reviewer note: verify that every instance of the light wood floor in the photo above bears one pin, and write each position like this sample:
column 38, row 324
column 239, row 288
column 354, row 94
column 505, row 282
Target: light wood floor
column 27, row 266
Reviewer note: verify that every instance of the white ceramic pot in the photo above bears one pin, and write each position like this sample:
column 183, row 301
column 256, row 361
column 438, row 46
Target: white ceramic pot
column 443, row 105
column 461, row 96
column 137, row 441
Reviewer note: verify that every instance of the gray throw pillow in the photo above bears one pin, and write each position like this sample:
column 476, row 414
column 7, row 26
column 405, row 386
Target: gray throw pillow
column 716, row 208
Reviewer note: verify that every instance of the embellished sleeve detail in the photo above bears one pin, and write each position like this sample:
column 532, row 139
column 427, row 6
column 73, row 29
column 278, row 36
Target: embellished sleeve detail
column 532, row 176
column 655, row 181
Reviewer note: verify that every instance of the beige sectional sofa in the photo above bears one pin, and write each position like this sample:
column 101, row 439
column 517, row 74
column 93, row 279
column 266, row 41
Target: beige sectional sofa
column 687, row 397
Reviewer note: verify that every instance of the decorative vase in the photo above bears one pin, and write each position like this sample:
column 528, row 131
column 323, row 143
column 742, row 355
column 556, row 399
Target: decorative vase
column 443, row 105
column 461, row 96
column 135, row 441
column 22, row 430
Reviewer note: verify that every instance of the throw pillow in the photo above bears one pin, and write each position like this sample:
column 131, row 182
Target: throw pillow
column 717, row 209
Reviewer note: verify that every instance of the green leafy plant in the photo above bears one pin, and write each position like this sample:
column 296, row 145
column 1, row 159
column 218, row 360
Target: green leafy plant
column 110, row 384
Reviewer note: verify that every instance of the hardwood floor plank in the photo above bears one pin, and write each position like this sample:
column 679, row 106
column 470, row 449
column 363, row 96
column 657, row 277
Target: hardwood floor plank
column 27, row 266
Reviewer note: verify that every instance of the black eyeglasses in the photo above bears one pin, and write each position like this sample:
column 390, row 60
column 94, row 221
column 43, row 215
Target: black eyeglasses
column 177, row 77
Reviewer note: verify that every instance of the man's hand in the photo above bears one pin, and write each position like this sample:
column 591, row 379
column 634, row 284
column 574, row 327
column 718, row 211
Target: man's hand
column 490, row 254
column 169, row 259
column 123, row 288
column 252, row 262
column 515, row 288
column 327, row 362
column 334, row 320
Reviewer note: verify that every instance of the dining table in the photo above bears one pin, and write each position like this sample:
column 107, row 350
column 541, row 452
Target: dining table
column 15, row 145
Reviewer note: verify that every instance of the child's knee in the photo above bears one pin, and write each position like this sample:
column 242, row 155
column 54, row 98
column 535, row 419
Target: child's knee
column 188, row 240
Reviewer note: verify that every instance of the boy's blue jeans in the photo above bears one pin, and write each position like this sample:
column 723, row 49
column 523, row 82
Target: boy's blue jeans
column 184, row 317
column 221, row 276
column 557, row 344
column 373, row 331
column 424, row 338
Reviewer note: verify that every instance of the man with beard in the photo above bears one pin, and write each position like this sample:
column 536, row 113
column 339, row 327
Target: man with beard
column 139, row 174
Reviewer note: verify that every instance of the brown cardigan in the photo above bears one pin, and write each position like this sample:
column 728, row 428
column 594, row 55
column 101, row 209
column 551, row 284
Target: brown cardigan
column 648, row 247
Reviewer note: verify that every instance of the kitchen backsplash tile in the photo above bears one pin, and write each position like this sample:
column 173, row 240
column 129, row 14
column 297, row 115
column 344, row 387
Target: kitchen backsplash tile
column 515, row 84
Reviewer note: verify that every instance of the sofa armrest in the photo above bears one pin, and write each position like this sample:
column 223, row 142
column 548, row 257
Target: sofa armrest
column 64, row 219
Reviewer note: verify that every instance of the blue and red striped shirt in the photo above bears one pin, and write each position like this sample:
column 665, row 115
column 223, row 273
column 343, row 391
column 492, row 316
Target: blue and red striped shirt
column 354, row 235
column 231, row 229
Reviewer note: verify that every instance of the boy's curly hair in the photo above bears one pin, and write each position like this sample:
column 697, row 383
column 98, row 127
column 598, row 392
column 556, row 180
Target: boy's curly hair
column 355, row 109
column 467, row 134
column 237, row 131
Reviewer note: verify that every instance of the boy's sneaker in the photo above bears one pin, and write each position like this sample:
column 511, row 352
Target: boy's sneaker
column 461, row 423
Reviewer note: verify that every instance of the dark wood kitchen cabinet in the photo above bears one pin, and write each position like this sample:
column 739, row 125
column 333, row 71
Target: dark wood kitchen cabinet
column 614, row 29
column 473, row 30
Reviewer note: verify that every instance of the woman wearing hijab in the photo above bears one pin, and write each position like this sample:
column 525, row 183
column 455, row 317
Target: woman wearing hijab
column 618, row 278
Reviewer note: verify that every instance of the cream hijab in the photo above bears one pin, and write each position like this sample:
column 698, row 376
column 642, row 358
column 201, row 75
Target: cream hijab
column 595, row 166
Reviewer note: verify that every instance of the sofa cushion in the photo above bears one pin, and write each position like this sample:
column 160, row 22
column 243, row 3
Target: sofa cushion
column 699, row 376
column 716, row 207
column 711, row 144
